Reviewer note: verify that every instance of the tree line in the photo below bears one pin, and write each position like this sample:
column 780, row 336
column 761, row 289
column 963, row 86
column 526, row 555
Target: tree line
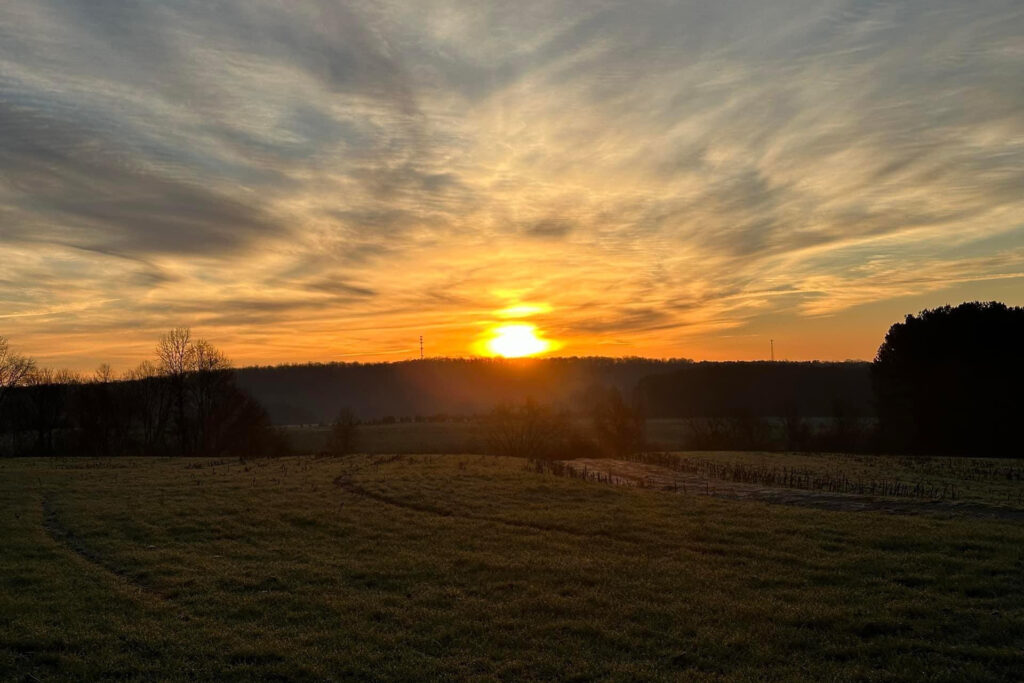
column 760, row 389
column 611, row 429
column 186, row 401
column 948, row 380
column 951, row 380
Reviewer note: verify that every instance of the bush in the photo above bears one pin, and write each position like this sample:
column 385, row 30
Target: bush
column 342, row 440
column 619, row 429
column 538, row 432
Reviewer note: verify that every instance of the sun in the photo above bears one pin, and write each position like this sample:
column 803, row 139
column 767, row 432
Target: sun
column 516, row 340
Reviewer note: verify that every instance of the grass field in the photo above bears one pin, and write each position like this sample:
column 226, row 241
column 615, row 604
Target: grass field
column 420, row 567
column 467, row 435
column 988, row 481
column 455, row 436
column 403, row 437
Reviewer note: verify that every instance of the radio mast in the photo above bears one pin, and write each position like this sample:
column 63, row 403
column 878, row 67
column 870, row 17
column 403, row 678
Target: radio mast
column 421, row 347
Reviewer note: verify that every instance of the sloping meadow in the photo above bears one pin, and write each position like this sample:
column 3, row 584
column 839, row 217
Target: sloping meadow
column 469, row 566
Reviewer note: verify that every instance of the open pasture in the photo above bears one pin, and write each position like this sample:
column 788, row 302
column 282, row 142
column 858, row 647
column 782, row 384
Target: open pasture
column 421, row 567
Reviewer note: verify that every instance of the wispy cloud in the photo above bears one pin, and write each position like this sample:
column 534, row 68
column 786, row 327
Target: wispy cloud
column 326, row 178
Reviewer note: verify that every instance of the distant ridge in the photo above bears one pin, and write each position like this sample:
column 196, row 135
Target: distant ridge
column 315, row 392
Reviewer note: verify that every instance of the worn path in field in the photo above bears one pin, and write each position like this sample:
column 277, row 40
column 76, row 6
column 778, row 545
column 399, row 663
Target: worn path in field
column 345, row 483
column 626, row 473
column 65, row 539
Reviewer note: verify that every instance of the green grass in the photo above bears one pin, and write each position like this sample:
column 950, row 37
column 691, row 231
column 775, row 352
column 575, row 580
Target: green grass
column 456, row 436
column 403, row 437
column 990, row 481
column 474, row 567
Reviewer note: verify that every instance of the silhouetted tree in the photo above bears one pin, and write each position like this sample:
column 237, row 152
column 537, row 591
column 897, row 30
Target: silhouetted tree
column 149, row 401
column 529, row 430
column 342, row 439
column 619, row 429
column 950, row 380
column 46, row 405
column 757, row 389
column 709, row 434
column 797, row 432
column 749, row 432
column 14, row 369
column 199, row 378
column 175, row 354
column 106, row 414
column 239, row 426
column 209, row 379
column 189, row 404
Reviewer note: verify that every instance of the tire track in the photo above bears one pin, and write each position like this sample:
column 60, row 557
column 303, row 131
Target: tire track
column 350, row 486
column 66, row 539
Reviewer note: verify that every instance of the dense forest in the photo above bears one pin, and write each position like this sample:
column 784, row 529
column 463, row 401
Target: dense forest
column 951, row 380
column 759, row 389
column 185, row 403
column 316, row 392
column 298, row 394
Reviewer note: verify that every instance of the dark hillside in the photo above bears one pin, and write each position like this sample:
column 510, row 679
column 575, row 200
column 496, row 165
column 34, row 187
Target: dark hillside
column 760, row 389
column 298, row 394
column 310, row 393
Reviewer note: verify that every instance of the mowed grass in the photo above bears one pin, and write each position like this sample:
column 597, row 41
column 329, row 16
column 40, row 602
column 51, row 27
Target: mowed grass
column 426, row 567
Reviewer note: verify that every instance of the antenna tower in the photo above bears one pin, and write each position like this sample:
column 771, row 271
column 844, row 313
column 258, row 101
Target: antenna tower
column 773, row 349
column 421, row 347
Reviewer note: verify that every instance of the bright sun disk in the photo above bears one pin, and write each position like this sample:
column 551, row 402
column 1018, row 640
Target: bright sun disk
column 516, row 341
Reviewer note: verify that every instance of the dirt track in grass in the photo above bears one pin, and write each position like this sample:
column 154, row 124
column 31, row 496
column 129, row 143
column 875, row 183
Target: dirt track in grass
column 625, row 473
column 65, row 539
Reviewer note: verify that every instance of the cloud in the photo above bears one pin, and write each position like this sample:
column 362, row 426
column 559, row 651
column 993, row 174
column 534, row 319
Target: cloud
column 358, row 171
column 549, row 228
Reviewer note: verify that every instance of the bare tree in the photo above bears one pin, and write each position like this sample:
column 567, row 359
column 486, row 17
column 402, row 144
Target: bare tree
column 526, row 431
column 208, row 380
column 205, row 357
column 198, row 377
column 47, row 404
column 104, row 414
column 618, row 427
column 150, row 401
column 342, row 438
column 175, row 353
column 14, row 369
column 187, row 404
column 104, row 374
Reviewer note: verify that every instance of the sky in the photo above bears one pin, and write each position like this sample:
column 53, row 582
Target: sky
column 320, row 180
